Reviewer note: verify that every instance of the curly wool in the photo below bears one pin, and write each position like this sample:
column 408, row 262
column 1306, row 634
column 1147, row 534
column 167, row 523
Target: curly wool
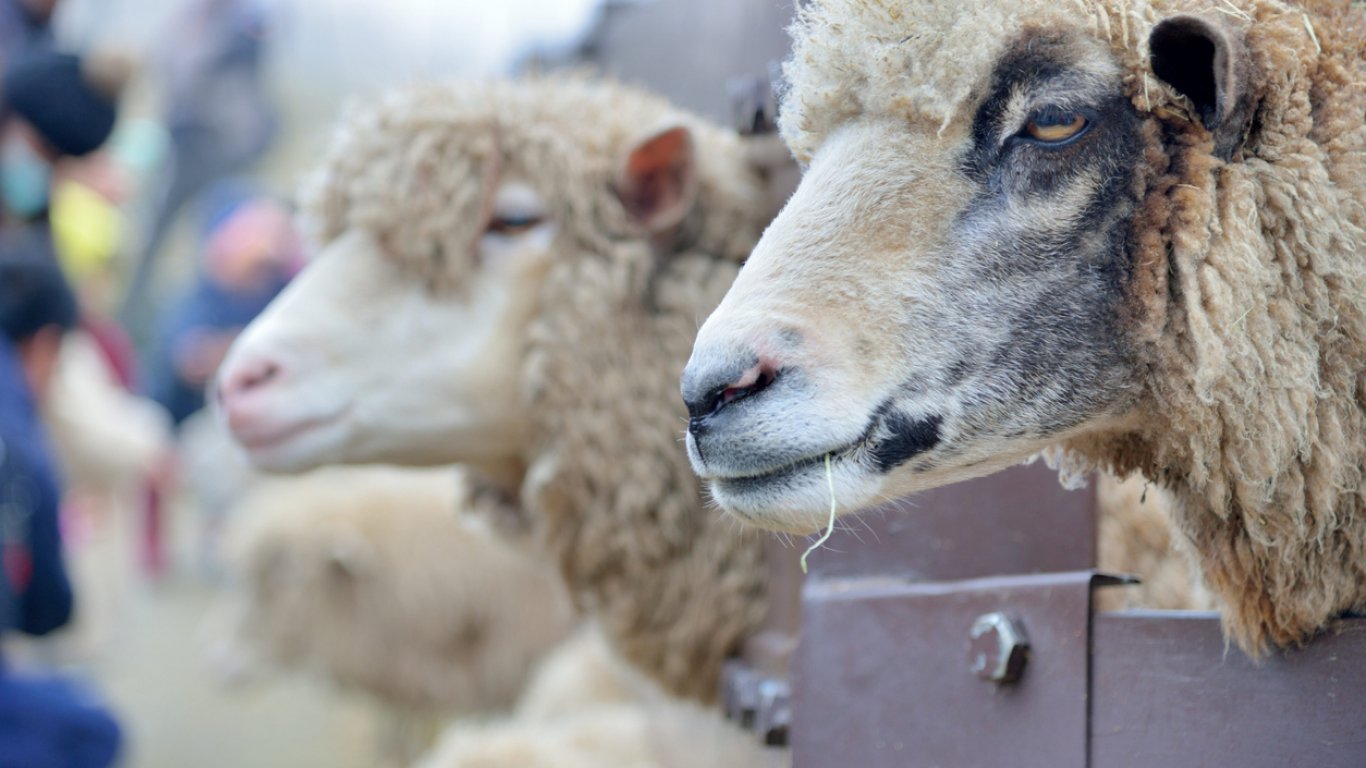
column 435, row 152
column 1248, row 297
column 608, row 488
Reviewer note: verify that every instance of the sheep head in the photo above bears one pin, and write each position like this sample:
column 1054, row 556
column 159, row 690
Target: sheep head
column 950, row 290
column 511, row 276
column 439, row 212
column 1124, row 231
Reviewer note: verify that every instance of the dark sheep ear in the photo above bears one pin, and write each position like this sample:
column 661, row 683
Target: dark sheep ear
column 657, row 182
column 1207, row 64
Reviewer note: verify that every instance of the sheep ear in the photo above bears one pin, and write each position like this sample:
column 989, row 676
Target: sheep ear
column 1208, row 64
column 658, row 180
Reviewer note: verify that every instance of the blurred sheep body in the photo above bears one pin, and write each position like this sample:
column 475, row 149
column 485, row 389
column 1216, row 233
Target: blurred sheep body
column 586, row 707
column 370, row 576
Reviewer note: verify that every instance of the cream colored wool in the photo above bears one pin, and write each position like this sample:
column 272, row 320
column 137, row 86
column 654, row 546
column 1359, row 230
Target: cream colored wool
column 667, row 734
column 585, row 707
column 1249, row 298
column 608, row 488
column 1134, row 536
column 581, row 672
column 369, row 576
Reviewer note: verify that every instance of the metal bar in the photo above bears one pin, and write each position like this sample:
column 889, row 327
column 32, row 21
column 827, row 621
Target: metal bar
column 1016, row 521
column 1168, row 691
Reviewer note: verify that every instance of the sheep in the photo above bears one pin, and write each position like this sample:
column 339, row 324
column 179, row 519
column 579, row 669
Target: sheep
column 370, row 576
column 585, row 707
column 1126, row 233
column 559, row 240
column 665, row 733
column 581, row 672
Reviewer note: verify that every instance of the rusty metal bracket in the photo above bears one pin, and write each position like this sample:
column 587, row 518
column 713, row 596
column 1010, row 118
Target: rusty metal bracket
column 897, row 649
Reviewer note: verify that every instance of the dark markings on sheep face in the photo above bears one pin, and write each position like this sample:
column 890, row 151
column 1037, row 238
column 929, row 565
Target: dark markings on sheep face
column 907, row 439
column 1039, row 256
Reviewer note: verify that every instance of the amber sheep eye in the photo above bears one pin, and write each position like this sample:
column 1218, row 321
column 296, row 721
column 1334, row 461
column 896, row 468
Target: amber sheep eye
column 1054, row 126
column 512, row 224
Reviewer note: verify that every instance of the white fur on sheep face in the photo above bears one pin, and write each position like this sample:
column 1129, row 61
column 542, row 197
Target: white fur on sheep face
column 360, row 362
column 942, row 296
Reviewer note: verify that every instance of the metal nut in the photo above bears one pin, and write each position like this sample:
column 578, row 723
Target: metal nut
column 999, row 648
column 752, row 105
column 774, row 716
column 740, row 692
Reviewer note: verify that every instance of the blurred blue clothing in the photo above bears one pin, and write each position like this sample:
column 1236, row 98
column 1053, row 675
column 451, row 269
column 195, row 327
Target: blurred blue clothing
column 45, row 722
column 48, row 722
column 207, row 307
column 35, row 593
column 21, row 31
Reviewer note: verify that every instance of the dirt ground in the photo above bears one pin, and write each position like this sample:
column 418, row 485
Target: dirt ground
column 176, row 714
column 145, row 652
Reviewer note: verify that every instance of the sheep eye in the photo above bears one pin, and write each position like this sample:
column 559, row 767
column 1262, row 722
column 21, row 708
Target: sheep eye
column 515, row 224
column 1055, row 126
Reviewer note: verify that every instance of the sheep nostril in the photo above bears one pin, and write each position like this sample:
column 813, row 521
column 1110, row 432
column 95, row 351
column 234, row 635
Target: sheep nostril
column 247, row 376
column 731, row 394
column 751, row 382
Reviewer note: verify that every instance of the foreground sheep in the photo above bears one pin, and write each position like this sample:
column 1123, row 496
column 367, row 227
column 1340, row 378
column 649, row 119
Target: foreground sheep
column 369, row 576
column 559, row 244
column 1133, row 228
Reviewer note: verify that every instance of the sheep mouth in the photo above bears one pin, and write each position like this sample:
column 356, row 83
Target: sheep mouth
column 891, row 439
column 745, row 484
column 273, row 437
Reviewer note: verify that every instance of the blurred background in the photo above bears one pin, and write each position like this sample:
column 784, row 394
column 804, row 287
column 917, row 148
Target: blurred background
column 170, row 215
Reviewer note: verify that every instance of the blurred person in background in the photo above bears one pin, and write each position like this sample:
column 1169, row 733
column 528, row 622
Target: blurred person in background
column 114, row 446
column 249, row 250
column 54, row 107
column 25, row 25
column 62, row 192
column 216, row 112
column 45, row 721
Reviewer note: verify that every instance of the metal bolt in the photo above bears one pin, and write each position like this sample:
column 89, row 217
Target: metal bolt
column 740, row 692
column 752, row 105
column 999, row 648
column 774, row 715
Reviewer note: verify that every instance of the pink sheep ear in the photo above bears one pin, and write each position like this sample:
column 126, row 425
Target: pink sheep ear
column 1208, row 64
column 658, row 181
